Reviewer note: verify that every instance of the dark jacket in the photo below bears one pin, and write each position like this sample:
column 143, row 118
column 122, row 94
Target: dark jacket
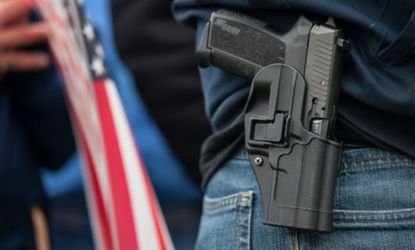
column 377, row 102
column 34, row 131
column 160, row 54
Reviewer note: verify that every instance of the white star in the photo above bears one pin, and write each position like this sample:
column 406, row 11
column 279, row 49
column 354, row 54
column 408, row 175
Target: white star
column 89, row 32
column 98, row 66
column 99, row 50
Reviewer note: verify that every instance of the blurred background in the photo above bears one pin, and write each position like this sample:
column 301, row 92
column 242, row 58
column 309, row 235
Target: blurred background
column 159, row 86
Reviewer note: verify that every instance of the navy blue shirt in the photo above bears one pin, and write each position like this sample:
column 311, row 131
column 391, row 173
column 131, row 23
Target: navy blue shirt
column 377, row 102
column 34, row 131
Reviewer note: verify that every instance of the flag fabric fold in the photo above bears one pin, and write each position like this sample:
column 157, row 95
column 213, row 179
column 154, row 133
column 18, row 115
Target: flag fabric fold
column 123, row 208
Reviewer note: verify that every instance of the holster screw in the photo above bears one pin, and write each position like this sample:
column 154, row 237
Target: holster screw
column 258, row 161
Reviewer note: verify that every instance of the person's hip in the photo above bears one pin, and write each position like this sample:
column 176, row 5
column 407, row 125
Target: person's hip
column 374, row 207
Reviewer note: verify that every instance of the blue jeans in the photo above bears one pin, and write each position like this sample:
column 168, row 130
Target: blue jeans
column 374, row 207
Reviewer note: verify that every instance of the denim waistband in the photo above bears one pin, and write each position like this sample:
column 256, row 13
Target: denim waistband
column 373, row 158
column 354, row 159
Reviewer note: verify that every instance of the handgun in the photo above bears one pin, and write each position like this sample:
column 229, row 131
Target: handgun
column 291, row 109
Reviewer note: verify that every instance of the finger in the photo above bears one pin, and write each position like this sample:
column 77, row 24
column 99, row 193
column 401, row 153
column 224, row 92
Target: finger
column 24, row 61
column 21, row 20
column 13, row 9
column 24, row 35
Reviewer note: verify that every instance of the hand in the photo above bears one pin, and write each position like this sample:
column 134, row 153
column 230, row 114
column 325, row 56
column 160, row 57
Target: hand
column 16, row 32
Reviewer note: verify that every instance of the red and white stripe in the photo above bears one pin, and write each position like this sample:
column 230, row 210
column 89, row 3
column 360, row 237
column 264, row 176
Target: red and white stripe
column 130, row 208
column 124, row 212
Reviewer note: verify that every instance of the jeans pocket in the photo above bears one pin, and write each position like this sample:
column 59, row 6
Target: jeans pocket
column 375, row 219
column 374, row 204
column 371, row 229
column 226, row 222
column 365, row 230
column 375, row 188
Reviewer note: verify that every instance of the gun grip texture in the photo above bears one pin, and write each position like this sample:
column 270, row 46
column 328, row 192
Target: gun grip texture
column 238, row 44
column 295, row 168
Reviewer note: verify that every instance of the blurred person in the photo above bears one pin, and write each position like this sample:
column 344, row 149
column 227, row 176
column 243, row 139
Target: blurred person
column 374, row 203
column 160, row 54
column 34, row 126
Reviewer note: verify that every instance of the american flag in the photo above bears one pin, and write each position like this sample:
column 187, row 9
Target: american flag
column 124, row 212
